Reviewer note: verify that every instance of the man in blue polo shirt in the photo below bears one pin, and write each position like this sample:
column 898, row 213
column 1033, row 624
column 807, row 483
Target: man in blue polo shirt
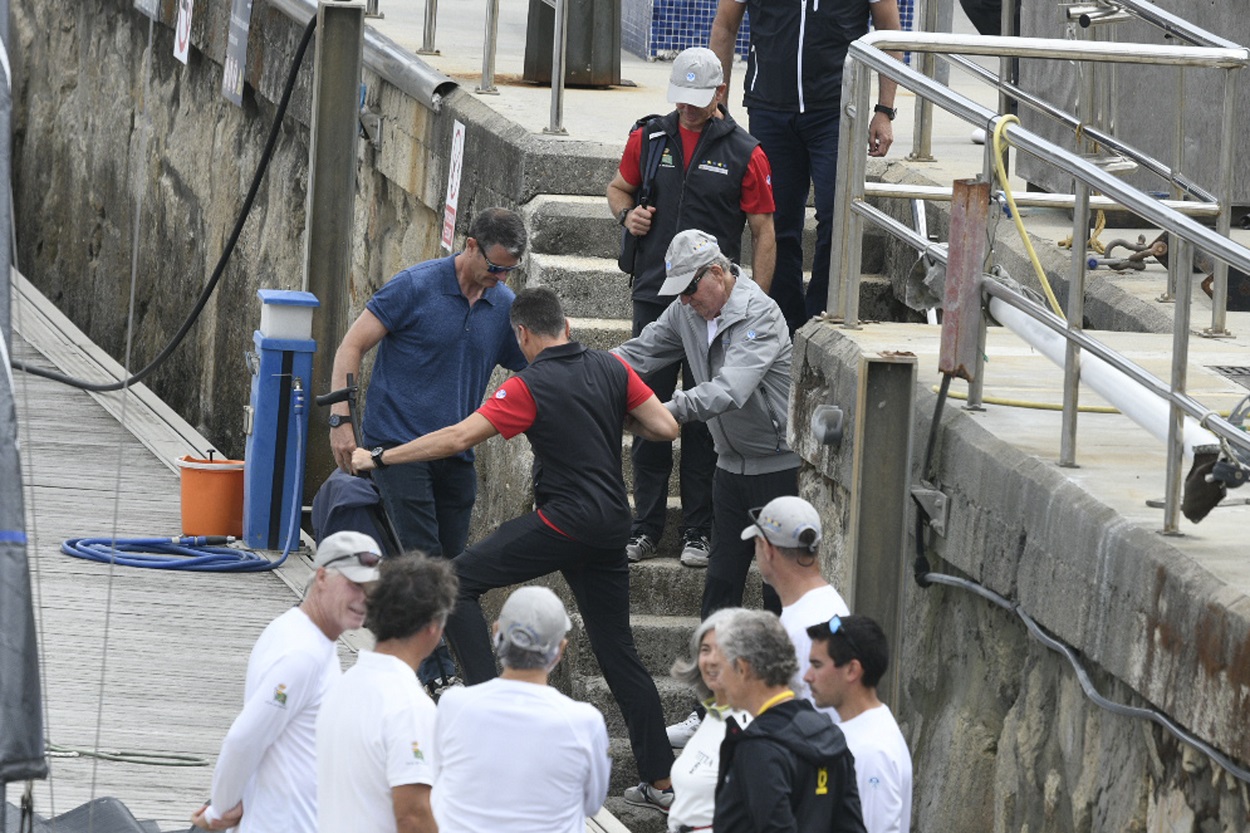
column 440, row 328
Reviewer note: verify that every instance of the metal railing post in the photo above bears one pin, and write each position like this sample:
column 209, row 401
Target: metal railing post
column 1224, row 222
column 1181, row 259
column 840, row 243
column 1076, row 315
column 852, row 142
column 489, row 43
column 558, row 50
column 922, row 132
column 428, row 30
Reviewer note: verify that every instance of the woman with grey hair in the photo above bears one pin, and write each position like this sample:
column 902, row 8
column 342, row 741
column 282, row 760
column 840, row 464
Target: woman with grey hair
column 695, row 770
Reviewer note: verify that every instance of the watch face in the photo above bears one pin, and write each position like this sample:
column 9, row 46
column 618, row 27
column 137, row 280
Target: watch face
column 336, row 420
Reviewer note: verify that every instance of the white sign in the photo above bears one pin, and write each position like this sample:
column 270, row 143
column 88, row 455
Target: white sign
column 182, row 32
column 453, row 186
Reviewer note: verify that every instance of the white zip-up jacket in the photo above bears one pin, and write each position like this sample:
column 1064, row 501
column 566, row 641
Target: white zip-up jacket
column 742, row 378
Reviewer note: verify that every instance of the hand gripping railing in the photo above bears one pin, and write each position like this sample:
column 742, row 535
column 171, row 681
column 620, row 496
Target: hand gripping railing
column 851, row 209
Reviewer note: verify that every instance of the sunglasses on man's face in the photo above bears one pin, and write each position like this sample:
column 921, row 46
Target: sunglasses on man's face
column 365, row 559
column 835, row 626
column 495, row 268
column 694, row 284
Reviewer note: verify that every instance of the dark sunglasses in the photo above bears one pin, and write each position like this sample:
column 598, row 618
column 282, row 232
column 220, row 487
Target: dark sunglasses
column 835, row 626
column 495, row 268
column 365, row 559
column 694, row 284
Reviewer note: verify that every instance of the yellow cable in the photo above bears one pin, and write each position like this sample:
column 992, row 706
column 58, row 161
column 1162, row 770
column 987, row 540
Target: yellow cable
column 1000, row 168
column 1025, row 403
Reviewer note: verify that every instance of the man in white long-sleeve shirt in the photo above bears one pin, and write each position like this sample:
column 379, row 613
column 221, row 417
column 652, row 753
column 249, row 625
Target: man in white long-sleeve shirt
column 266, row 775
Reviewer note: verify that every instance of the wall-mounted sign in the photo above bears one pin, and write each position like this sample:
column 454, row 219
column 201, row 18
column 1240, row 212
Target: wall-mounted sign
column 236, row 51
column 453, row 186
column 182, row 31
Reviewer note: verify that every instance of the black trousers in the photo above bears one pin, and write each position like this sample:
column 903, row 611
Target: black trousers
column 653, row 461
column 525, row 548
column 730, row 558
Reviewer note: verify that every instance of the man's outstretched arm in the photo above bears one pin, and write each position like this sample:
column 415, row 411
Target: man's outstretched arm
column 444, row 442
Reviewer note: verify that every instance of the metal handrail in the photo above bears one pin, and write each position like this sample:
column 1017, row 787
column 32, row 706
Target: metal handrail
column 559, row 51
column 850, row 209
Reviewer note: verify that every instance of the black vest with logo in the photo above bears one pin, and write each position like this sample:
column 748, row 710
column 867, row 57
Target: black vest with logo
column 707, row 196
column 580, row 397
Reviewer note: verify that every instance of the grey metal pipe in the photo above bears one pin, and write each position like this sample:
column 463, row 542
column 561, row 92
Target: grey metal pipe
column 1224, row 223
column 490, row 41
column 429, row 29
column 1174, row 25
column 1032, row 199
column 851, row 138
column 559, row 51
column 922, row 130
column 1076, row 314
column 1062, row 50
column 1180, row 258
column 389, row 60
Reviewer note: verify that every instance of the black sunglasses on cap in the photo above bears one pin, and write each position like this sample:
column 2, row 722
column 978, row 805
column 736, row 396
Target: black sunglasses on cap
column 365, row 559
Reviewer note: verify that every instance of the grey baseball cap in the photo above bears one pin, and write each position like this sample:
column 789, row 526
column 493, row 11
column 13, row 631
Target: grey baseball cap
column 788, row 521
column 696, row 75
column 353, row 554
column 688, row 252
column 533, row 619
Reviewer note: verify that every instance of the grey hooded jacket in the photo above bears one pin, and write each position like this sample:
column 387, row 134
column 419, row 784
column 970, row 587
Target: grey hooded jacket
column 742, row 378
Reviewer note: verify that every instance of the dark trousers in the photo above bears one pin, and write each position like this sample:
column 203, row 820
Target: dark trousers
column 653, row 461
column 730, row 559
column 802, row 149
column 430, row 505
column 525, row 548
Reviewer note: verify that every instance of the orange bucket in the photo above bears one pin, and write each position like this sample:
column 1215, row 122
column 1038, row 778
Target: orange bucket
column 212, row 496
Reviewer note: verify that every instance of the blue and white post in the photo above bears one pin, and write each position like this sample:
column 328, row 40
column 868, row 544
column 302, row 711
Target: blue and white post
column 277, row 423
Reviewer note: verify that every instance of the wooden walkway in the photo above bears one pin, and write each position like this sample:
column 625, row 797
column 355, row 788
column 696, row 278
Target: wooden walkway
column 139, row 660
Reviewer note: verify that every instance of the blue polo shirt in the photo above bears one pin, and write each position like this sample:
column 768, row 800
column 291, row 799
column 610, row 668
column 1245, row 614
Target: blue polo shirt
column 434, row 363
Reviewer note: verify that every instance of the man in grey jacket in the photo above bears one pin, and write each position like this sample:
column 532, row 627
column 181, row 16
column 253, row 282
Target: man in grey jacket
column 738, row 347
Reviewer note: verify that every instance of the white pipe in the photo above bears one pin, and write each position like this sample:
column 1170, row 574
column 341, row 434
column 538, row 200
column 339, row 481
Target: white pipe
column 1138, row 404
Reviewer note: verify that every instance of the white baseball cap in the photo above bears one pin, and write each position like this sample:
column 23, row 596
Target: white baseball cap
column 696, row 75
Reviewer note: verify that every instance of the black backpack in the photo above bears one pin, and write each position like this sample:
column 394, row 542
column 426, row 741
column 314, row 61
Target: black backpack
column 648, row 162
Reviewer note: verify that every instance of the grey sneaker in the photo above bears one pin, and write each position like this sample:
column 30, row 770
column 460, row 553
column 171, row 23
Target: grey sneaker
column 695, row 549
column 640, row 547
column 645, row 795
column 679, row 734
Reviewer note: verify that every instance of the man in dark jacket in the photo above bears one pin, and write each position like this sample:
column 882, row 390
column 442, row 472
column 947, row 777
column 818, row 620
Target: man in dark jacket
column 789, row 770
column 709, row 174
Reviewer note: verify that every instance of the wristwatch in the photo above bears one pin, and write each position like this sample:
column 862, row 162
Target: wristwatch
column 376, row 454
column 889, row 112
column 620, row 217
column 336, row 420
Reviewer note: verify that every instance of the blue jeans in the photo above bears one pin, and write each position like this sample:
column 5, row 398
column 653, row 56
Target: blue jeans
column 802, row 149
column 430, row 505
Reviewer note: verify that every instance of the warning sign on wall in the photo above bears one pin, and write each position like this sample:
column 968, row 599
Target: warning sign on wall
column 182, row 32
column 453, row 186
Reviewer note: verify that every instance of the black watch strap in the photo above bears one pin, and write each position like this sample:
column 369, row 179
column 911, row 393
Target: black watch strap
column 376, row 454
column 889, row 112
column 336, row 420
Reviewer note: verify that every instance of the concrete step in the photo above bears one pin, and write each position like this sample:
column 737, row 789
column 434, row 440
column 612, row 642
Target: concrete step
column 662, row 586
column 677, row 699
column 660, row 641
column 572, row 225
column 637, row 819
column 589, row 287
column 601, row 333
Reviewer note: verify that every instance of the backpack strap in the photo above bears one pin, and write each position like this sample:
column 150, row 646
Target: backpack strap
column 651, row 152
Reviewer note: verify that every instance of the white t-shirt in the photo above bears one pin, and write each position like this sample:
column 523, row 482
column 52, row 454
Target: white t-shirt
column 882, row 770
column 268, row 759
column 516, row 757
column 375, row 732
column 817, row 605
column 696, row 769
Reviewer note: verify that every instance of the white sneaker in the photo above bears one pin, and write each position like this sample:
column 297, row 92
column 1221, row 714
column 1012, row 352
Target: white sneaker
column 679, row 734
column 695, row 549
column 645, row 795
column 640, row 547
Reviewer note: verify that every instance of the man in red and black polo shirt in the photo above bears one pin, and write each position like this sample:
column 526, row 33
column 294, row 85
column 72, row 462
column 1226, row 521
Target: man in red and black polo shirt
column 571, row 402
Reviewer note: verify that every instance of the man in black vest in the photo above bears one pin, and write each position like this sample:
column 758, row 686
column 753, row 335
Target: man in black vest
column 793, row 92
column 709, row 174
column 571, row 402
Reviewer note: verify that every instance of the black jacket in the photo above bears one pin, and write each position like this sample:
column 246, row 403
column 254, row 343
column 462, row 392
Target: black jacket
column 706, row 196
column 789, row 770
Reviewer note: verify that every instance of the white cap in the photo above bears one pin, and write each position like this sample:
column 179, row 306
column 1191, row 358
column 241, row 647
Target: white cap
column 533, row 619
column 696, row 75
column 688, row 252
column 343, row 552
column 788, row 522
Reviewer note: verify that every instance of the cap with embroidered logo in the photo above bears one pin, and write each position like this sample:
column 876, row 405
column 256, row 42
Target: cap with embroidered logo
column 533, row 619
column 353, row 554
column 688, row 252
column 696, row 75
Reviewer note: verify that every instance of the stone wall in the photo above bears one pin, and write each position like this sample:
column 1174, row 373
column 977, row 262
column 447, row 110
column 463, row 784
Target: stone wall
column 1002, row 736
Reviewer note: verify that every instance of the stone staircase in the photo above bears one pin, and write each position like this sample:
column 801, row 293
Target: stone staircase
column 573, row 247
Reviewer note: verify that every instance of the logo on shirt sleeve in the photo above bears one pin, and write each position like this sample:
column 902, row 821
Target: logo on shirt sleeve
column 501, row 394
column 417, row 754
column 279, row 696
